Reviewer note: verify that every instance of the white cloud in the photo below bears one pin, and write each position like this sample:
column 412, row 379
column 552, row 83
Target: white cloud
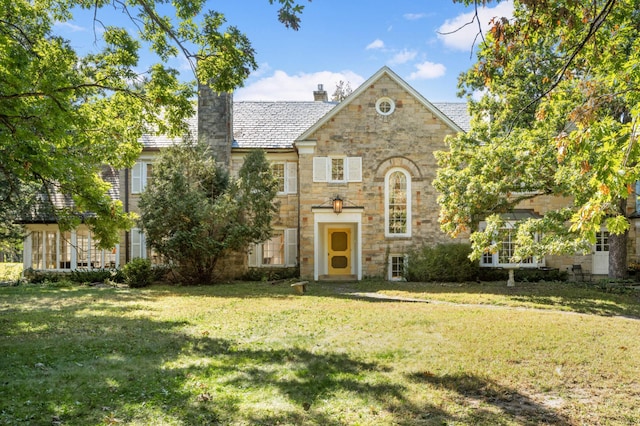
column 428, row 70
column 283, row 87
column 376, row 44
column 70, row 27
column 458, row 34
column 263, row 69
column 403, row 57
column 414, row 16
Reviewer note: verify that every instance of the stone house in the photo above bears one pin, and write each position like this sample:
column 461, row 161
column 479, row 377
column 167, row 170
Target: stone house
column 355, row 184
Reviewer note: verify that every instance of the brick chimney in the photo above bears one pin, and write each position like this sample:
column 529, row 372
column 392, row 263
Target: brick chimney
column 215, row 122
column 320, row 95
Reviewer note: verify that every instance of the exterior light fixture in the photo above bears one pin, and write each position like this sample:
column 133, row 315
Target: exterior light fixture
column 337, row 204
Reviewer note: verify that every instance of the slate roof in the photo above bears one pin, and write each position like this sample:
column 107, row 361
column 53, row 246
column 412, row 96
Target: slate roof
column 274, row 124
column 278, row 124
column 161, row 141
column 41, row 211
column 457, row 112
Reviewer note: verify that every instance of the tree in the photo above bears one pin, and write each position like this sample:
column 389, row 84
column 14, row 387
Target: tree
column 342, row 91
column 64, row 116
column 555, row 99
column 193, row 214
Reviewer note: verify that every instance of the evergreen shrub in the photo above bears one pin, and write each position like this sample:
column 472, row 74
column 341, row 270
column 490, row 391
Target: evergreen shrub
column 138, row 273
column 442, row 262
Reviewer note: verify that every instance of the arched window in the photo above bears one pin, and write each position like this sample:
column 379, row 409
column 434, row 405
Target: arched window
column 397, row 214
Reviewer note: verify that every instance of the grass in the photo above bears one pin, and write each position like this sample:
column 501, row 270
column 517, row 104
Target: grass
column 257, row 354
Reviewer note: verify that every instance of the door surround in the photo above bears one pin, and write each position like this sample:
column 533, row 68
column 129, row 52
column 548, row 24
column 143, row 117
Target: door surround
column 324, row 220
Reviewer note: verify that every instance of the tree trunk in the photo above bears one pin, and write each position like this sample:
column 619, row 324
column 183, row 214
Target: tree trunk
column 618, row 255
column 618, row 249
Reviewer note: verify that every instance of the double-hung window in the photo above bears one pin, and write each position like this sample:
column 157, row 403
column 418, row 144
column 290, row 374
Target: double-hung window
column 337, row 169
column 286, row 174
column 279, row 250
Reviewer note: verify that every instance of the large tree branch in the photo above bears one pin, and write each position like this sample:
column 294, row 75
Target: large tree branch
column 593, row 28
column 151, row 13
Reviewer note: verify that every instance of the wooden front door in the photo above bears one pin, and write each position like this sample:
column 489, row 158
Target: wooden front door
column 339, row 251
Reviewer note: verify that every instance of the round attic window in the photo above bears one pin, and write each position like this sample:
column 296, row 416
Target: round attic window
column 385, row 106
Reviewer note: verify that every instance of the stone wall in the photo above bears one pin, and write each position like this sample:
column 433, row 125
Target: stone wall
column 407, row 138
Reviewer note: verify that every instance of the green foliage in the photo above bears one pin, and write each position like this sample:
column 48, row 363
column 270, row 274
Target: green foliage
column 443, row 262
column 96, row 275
column 193, row 214
column 271, row 274
column 557, row 116
column 64, row 116
column 522, row 275
column 138, row 273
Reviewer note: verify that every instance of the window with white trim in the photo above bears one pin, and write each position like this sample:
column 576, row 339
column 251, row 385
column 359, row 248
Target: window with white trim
column 279, row 250
column 397, row 209
column 385, row 106
column 337, row 169
column 505, row 250
column 286, row 173
column 397, row 267
column 141, row 173
column 55, row 250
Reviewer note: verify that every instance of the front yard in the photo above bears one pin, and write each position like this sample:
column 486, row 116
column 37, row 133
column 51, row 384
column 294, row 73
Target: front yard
column 370, row 353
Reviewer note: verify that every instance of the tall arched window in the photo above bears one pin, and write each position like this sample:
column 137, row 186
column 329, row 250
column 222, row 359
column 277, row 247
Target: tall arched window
column 397, row 214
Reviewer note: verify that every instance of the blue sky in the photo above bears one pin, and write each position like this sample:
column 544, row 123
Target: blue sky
column 349, row 41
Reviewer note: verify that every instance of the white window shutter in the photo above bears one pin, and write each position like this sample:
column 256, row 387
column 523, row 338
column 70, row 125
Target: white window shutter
column 291, row 178
column 136, row 178
column 252, row 255
column 136, row 243
column 290, row 246
column 354, row 169
column 320, row 169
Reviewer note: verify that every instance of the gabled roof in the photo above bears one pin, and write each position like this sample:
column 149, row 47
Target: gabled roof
column 278, row 124
column 364, row 86
column 274, row 124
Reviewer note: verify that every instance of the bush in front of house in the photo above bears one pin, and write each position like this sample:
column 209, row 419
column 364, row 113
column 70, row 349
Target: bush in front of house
column 138, row 273
column 530, row 275
column 442, row 262
column 84, row 276
column 271, row 274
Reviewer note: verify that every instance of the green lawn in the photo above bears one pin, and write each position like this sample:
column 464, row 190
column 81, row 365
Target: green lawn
column 256, row 353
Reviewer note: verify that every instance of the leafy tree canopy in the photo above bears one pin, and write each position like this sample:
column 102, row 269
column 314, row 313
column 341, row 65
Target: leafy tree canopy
column 193, row 214
column 555, row 101
column 64, row 116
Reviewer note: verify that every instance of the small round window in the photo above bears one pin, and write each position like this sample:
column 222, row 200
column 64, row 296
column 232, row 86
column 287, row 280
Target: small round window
column 385, row 106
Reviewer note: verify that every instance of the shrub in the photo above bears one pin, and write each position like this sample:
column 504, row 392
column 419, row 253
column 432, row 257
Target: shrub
column 270, row 274
column 522, row 275
column 90, row 275
column 443, row 262
column 138, row 273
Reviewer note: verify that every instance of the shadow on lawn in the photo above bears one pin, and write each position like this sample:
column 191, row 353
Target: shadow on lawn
column 92, row 362
column 564, row 296
column 490, row 402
